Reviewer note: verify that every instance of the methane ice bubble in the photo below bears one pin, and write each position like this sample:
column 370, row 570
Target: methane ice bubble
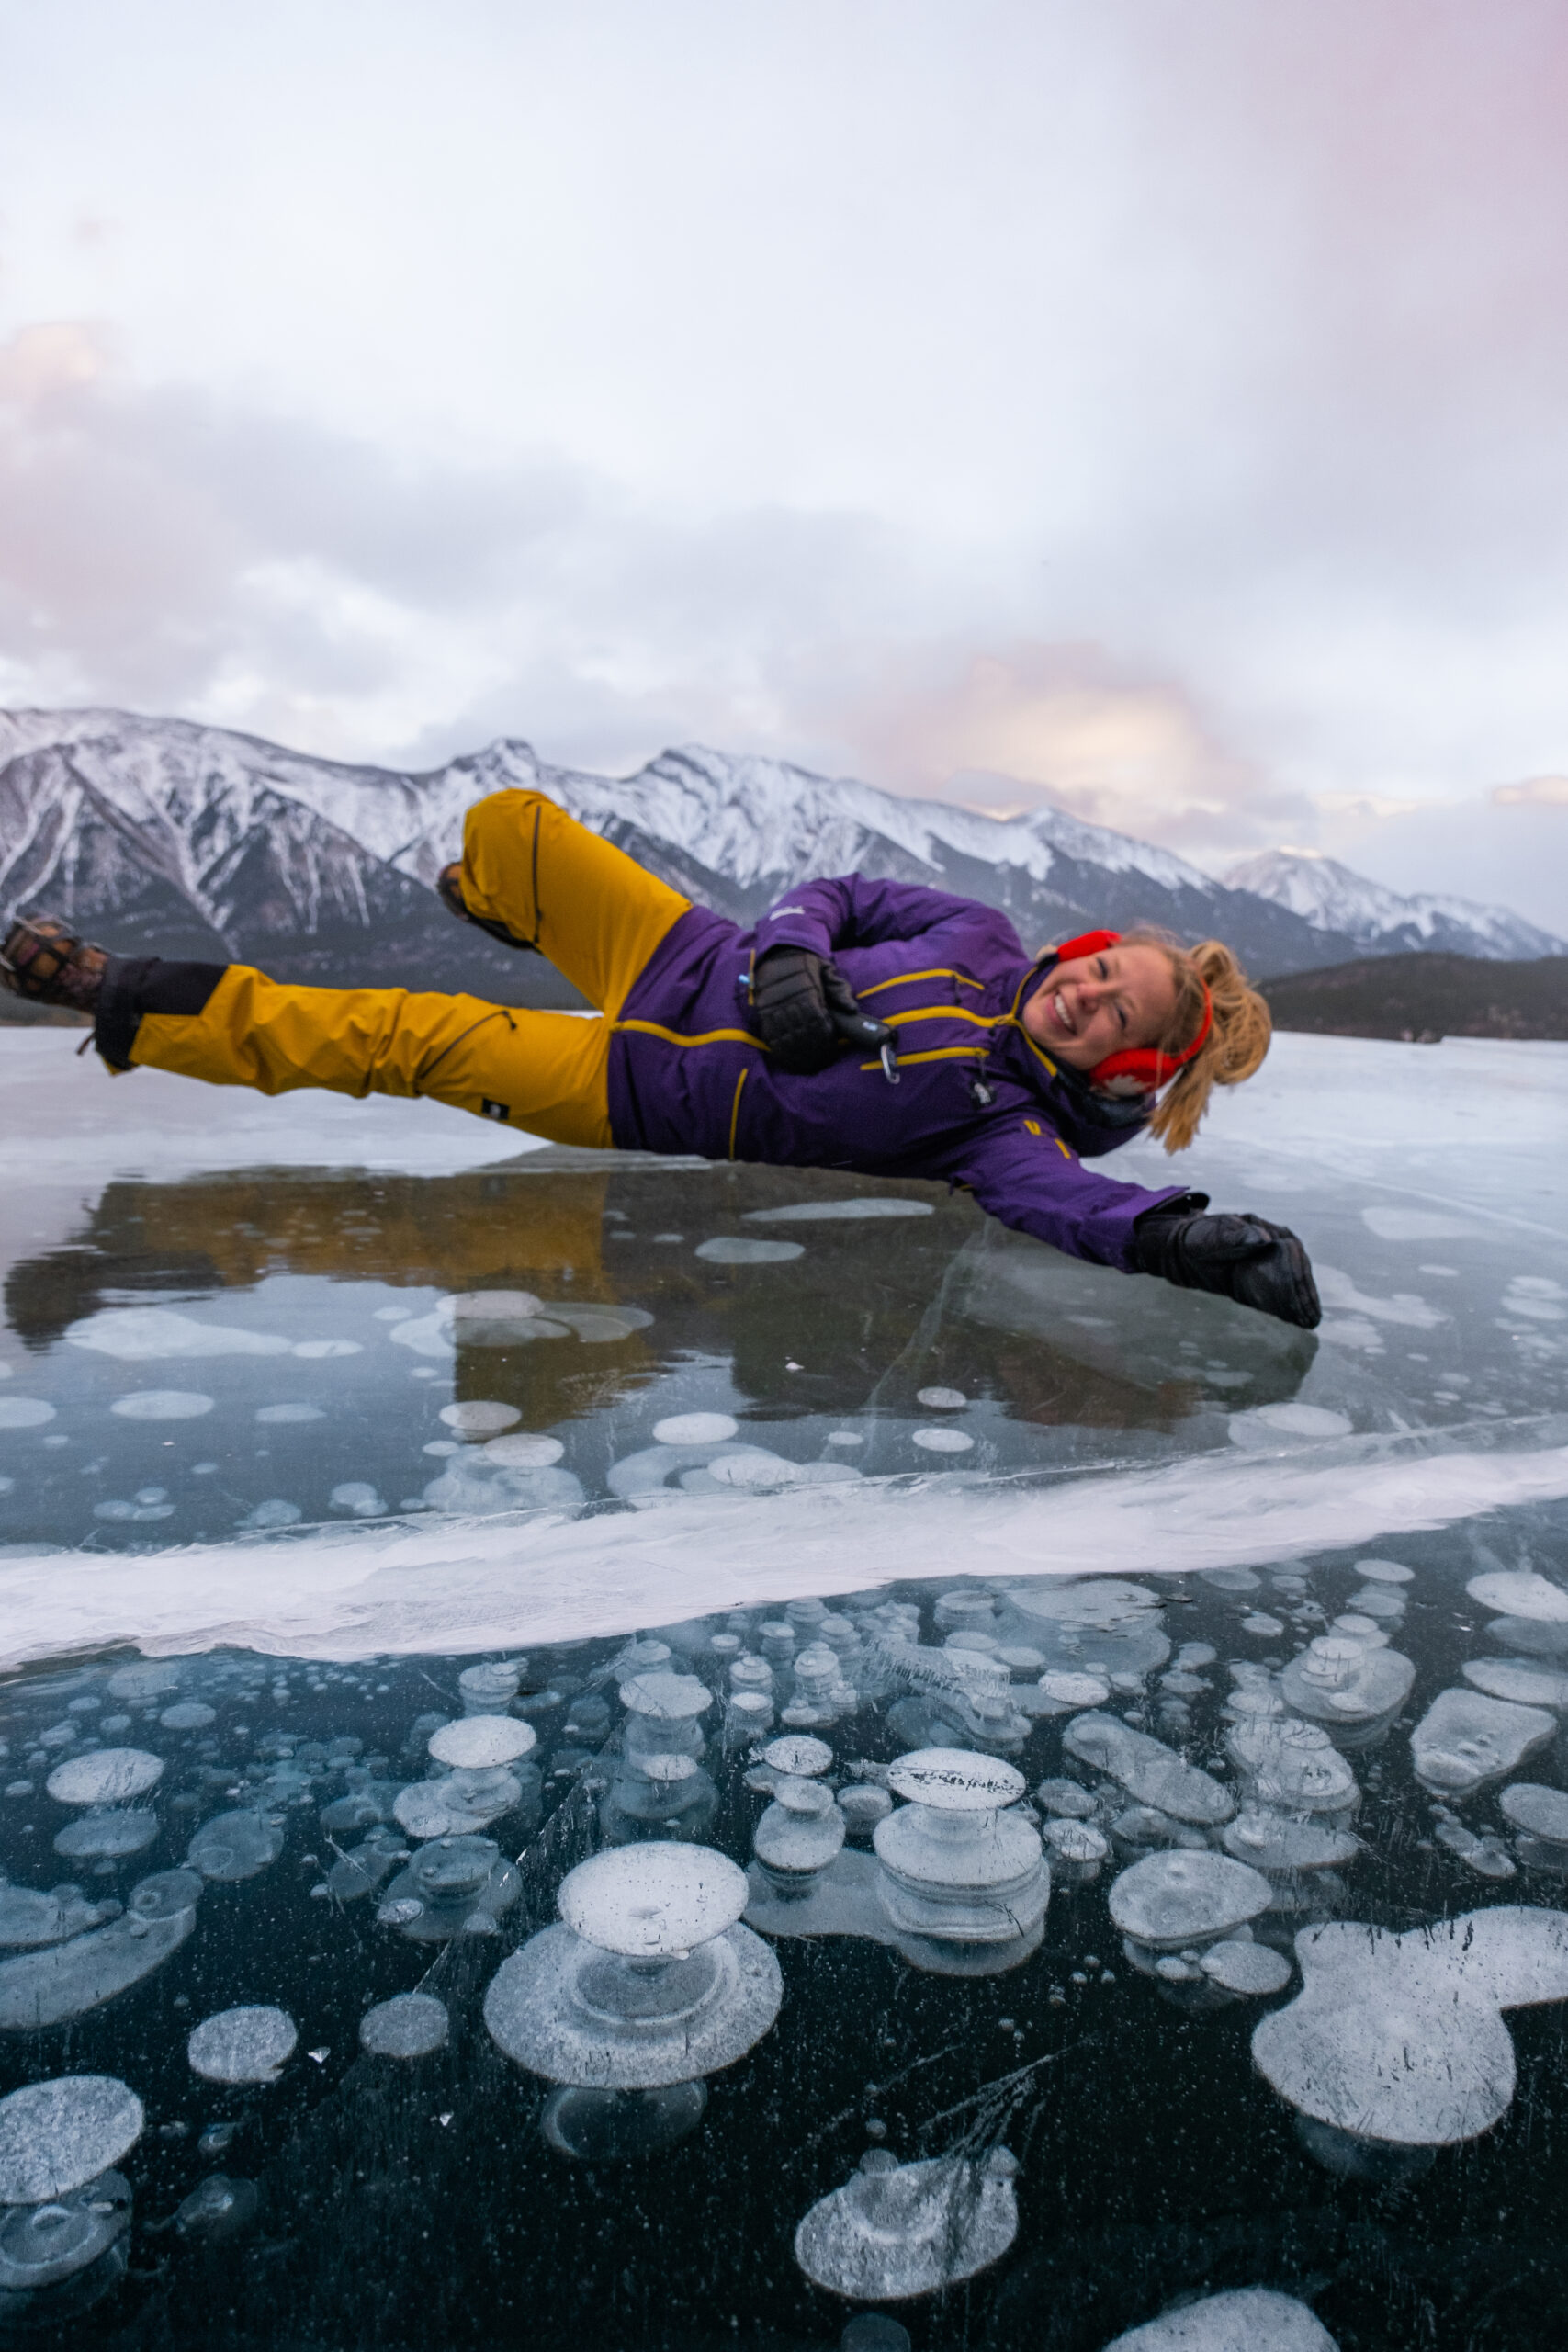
column 24, row 1412
column 695, row 1429
column 1519, row 1593
column 479, row 1417
column 147, row 1679
column 1390, row 1572
column 161, row 1405
column 243, row 2045
column 29, row 1917
column 106, row 1836
column 477, row 1741
column 217, row 2209
column 57, row 2136
column 740, row 1250
column 1147, row 1769
column 940, row 1441
column 942, row 1401
column 1526, row 1680
column 830, row 1212
column 410, row 2025
column 427, row 1335
column 598, row 1326
column 1399, row 2039
column 519, row 1450
column 144, row 1334
column 1171, row 1900
column 273, row 1416
column 276, row 1512
column 187, row 1714
column 1249, row 1969
column 44, row 2246
column 896, row 2231
column 1265, row 1425
column 1464, row 1739
column 234, row 1846
column 104, row 1776
column 1243, row 2319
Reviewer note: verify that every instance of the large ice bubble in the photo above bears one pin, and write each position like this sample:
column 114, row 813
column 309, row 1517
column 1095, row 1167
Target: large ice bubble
column 410, row 2025
column 1171, row 1900
column 42, row 2245
column 1464, row 1739
column 1400, row 2039
column 896, row 2231
column 1244, row 2319
column 249, row 2044
column 235, row 1846
column 57, row 2136
column 104, row 1776
column 1147, row 1769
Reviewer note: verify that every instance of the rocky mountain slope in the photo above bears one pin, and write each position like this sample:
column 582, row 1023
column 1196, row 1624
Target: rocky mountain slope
column 1332, row 899
column 198, row 841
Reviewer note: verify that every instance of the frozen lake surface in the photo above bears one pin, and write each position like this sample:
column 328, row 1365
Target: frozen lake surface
column 1205, row 1971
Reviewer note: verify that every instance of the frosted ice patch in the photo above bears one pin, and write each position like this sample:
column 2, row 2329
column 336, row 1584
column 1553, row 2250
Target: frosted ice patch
column 274, row 1415
column 410, row 2025
column 107, row 1776
column 481, row 1417
column 1337, row 1290
column 490, row 1306
column 161, row 1405
column 57, row 2136
column 738, row 1250
column 1385, row 1572
column 942, row 1401
column 1526, row 1680
column 695, row 1429
column 828, row 1211
column 518, row 1451
column 1464, row 1740
column 1535, row 1297
column 318, row 1351
column 1266, row 1424
column 1170, row 1900
column 232, row 1846
column 105, row 1837
column 1540, row 1810
column 1244, row 2319
column 477, row 1741
column 943, row 1441
column 1519, row 1592
column 357, row 1495
column 1395, row 1223
column 24, row 1412
column 188, row 1715
column 1251, row 1970
column 243, row 2045
column 142, row 1334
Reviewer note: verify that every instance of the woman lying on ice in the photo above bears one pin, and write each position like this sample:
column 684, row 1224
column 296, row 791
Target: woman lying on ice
column 863, row 1024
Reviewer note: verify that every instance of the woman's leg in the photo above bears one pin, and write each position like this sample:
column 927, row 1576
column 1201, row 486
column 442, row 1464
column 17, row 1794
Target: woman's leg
column 230, row 1026
column 592, row 910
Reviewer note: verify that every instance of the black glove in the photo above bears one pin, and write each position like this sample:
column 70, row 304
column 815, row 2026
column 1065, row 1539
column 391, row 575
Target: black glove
column 806, row 1010
column 1244, row 1257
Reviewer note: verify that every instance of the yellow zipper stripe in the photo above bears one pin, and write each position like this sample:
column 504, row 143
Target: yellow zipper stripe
column 940, row 1013
column 936, row 1053
column 708, row 1037
column 735, row 1107
column 904, row 979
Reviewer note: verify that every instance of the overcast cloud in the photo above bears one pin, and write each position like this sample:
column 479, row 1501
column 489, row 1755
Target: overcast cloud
column 1152, row 406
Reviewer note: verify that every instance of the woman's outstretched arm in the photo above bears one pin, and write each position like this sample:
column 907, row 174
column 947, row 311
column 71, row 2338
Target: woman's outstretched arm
column 858, row 911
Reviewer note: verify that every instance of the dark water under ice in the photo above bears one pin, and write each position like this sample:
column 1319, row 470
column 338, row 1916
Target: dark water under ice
column 306, row 1344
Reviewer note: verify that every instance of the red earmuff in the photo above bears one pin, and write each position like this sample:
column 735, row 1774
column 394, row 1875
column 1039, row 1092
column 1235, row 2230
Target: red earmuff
column 1141, row 1069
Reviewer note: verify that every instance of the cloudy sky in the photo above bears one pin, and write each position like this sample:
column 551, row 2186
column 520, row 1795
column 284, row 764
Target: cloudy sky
column 1151, row 406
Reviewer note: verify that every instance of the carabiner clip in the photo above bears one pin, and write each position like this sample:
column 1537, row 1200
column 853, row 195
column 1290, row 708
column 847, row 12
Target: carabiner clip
column 890, row 1069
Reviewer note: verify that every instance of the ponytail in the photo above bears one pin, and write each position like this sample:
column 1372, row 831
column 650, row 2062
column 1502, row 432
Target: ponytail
column 1237, row 1041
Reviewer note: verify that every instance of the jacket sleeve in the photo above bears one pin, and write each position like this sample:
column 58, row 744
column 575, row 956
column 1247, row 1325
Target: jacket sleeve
column 1022, row 1173
column 855, row 911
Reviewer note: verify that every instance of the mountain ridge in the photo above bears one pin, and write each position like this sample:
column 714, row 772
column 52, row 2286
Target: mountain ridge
column 1329, row 895
column 172, row 836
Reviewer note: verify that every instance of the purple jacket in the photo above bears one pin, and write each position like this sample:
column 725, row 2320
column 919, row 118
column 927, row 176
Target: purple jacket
column 978, row 1102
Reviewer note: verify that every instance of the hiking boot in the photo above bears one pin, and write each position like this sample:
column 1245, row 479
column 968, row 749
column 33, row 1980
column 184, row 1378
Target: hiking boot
column 44, row 959
column 449, row 890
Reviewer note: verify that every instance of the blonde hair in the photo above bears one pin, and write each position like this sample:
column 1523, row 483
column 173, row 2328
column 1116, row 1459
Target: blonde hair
column 1237, row 1041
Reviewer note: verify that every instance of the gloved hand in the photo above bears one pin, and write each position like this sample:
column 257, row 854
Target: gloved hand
column 806, row 1010
column 1244, row 1257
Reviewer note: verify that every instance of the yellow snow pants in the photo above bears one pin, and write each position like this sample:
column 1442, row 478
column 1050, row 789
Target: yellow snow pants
column 587, row 907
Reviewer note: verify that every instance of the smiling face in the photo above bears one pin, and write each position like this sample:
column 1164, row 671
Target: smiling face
column 1098, row 1005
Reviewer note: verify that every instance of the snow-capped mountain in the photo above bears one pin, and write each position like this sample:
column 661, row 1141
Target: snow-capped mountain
column 1330, row 898
column 194, row 841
